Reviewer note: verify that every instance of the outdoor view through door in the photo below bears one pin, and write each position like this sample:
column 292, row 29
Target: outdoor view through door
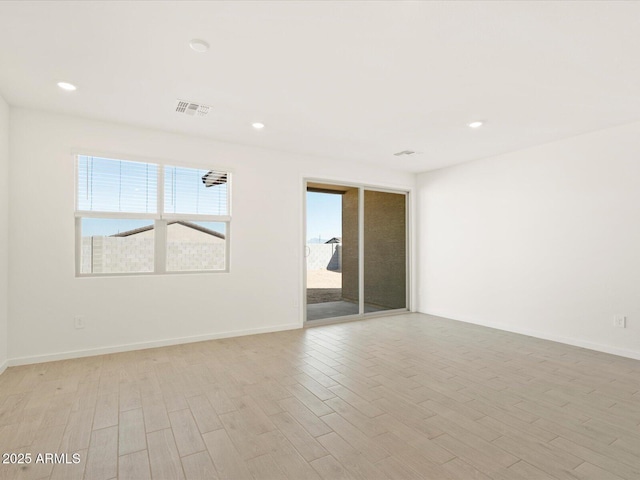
column 334, row 237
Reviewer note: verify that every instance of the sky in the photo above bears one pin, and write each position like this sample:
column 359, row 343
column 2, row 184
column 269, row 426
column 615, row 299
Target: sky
column 324, row 220
column 122, row 186
column 111, row 185
column 108, row 226
column 324, row 216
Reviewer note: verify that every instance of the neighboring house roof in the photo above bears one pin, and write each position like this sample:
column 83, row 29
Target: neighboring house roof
column 334, row 240
column 195, row 226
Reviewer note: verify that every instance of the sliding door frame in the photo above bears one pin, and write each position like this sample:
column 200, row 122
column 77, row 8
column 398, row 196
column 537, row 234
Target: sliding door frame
column 408, row 252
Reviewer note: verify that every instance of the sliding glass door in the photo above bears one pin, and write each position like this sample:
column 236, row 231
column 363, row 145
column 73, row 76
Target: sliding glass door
column 332, row 251
column 355, row 251
column 385, row 251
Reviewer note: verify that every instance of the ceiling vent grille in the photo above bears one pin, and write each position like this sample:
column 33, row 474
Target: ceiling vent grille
column 404, row 152
column 212, row 178
column 192, row 108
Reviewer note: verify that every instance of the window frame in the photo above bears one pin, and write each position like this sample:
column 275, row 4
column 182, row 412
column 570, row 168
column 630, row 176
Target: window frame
column 160, row 219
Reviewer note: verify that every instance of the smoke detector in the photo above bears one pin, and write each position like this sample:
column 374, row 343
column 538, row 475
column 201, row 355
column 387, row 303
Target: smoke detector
column 192, row 108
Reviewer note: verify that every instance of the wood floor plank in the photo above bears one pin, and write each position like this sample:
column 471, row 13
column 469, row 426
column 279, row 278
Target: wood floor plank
column 607, row 463
column 400, row 409
column 77, row 433
column 291, row 462
column 226, row 459
column 46, row 440
column 368, row 447
column 409, row 396
column 106, row 413
column 204, row 414
column 303, row 441
column 330, row 469
column 186, row 433
column 248, row 441
column 629, row 446
column 263, row 397
column 364, row 406
column 484, row 456
column 412, row 457
column 350, row 458
column 265, row 467
column 314, row 387
column 556, row 462
column 199, row 466
column 56, row 415
column 396, row 469
column 134, row 466
column 361, row 386
column 313, row 403
column 64, row 471
column 305, row 417
column 129, row 397
column 362, row 422
column 512, row 419
column 582, row 434
column 155, row 413
column 255, row 418
column 102, row 459
column 460, row 469
column 163, row 455
column 529, row 472
column 588, row 471
column 320, row 377
column 131, row 432
column 175, row 401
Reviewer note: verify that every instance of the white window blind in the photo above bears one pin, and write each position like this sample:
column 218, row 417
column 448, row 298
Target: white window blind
column 119, row 186
column 195, row 191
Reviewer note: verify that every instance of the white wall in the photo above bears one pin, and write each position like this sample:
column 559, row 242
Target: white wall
column 262, row 292
column 544, row 241
column 4, row 227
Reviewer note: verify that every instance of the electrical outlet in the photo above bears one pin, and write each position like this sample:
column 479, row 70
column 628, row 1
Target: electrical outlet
column 620, row 321
column 78, row 322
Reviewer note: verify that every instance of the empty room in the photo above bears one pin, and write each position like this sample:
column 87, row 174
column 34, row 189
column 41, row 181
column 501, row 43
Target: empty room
column 320, row 240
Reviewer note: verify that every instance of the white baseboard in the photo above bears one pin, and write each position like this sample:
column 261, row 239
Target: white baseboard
column 292, row 326
column 143, row 345
column 576, row 342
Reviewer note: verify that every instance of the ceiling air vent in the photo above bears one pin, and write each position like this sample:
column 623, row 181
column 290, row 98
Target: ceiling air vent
column 404, row 152
column 212, row 178
column 192, row 108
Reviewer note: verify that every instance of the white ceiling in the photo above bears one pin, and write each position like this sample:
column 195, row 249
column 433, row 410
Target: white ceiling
column 352, row 80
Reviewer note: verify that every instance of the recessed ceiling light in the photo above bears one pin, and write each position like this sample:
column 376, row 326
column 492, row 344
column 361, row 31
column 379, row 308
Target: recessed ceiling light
column 67, row 86
column 476, row 124
column 258, row 125
column 199, row 45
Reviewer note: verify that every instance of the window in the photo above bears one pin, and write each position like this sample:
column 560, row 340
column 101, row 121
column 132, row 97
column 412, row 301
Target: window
column 135, row 217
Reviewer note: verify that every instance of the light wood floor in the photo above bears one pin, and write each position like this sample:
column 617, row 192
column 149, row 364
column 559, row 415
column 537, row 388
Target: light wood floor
column 400, row 397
